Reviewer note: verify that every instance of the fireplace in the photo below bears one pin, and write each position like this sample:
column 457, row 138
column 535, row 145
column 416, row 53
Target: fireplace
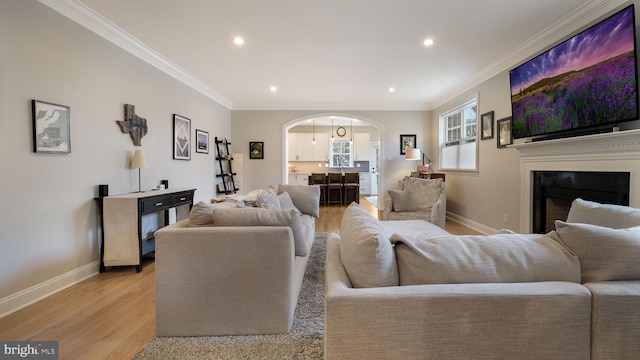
column 601, row 154
column 554, row 191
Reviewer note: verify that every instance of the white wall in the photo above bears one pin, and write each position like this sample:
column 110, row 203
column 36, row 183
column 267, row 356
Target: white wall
column 267, row 126
column 48, row 232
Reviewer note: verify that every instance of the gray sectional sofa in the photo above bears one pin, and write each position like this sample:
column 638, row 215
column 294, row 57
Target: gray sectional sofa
column 233, row 269
column 417, row 292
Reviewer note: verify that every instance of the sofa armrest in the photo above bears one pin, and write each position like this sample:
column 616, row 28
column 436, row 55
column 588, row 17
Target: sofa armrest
column 223, row 280
column 439, row 209
column 461, row 321
column 388, row 206
column 616, row 320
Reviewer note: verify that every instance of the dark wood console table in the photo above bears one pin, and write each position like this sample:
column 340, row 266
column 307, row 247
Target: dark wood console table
column 125, row 239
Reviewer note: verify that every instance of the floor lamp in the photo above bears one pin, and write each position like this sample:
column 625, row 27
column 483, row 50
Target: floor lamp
column 138, row 162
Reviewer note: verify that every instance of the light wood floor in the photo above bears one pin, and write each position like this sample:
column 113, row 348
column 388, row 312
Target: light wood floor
column 111, row 315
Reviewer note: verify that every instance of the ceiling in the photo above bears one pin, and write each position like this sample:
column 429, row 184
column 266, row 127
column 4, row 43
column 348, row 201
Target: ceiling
column 336, row 54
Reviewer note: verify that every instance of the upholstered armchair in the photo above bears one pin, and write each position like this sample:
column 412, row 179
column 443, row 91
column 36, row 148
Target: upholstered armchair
column 417, row 199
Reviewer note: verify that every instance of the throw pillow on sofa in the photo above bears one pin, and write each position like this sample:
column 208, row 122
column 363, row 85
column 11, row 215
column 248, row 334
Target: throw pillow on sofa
column 611, row 216
column 365, row 250
column 605, row 254
column 285, row 201
column 305, row 198
column 268, row 200
column 499, row 258
column 262, row 217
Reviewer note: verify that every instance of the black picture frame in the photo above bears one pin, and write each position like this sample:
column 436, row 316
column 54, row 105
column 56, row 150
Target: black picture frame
column 181, row 137
column 407, row 142
column 202, row 142
column 51, row 127
column 486, row 123
column 505, row 137
column 256, row 150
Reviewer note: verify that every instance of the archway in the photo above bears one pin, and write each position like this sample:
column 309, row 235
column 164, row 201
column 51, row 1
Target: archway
column 340, row 126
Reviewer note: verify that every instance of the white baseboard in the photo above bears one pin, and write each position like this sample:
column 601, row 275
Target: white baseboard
column 472, row 224
column 24, row 298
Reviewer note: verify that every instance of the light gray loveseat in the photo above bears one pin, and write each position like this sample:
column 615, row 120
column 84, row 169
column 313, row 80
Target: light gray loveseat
column 570, row 294
column 231, row 270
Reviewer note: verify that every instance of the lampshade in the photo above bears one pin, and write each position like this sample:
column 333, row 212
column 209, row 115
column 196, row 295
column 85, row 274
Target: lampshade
column 138, row 160
column 412, row 154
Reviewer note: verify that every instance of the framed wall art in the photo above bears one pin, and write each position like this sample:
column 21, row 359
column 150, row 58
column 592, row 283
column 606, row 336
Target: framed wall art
column 202, row 141
column 256, row 149
column 181, row 137
column 486, row 121
column 504, row 132
column 51, row 128
column 407, row 142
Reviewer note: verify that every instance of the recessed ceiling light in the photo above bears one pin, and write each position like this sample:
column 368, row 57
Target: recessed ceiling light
column 238, row 40
column 392, row 89
column 273, row 89
column 428, row 42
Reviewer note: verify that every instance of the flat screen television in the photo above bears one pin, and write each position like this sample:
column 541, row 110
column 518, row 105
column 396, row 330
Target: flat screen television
column 587, row 82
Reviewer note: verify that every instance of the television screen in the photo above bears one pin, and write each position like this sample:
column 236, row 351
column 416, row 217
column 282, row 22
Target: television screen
column 587, row 81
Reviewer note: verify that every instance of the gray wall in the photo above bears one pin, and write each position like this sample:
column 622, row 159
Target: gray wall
column 481, row 198
column 48, row 231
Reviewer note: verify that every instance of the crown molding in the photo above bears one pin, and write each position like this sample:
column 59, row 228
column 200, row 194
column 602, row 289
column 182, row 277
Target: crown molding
column 332, row 106
column 85, row 16
column 570, row 24
column 585, row 15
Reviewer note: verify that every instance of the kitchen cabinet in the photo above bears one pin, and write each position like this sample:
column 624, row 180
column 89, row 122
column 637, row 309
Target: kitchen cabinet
column 362, row 144
column 292, row 146
column 300, row 146
column 321, row 148
column 298, row 179
column 365, row 183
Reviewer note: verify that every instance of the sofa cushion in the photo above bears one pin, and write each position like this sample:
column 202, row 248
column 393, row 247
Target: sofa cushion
column 365, row 249
column 425, row 192
column 499, row 258
column 250, row 216
column 268, row 200
column 402, row 200
column 418, row 229
column 306, row 198
column 605, row 254
column 611, row 216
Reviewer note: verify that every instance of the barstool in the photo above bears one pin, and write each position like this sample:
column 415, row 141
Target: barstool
column 351, row 188
column 320, row 180
column 334, row 188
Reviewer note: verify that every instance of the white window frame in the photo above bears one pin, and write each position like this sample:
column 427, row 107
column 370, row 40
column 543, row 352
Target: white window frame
column 458, row 140
column 349, row 154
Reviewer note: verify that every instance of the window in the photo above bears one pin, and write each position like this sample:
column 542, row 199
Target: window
column 458, row 146
column 341, row 153
column 461, row 124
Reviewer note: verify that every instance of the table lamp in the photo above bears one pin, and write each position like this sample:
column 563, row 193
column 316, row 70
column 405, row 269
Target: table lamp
column 138, row 161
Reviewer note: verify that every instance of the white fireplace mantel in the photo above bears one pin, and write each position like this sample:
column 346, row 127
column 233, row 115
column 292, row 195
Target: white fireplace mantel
column 614, row 151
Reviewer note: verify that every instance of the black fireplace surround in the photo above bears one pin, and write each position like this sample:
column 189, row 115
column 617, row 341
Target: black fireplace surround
column 554, row 191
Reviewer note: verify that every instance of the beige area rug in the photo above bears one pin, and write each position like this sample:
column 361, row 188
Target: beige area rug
column 305, row 341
